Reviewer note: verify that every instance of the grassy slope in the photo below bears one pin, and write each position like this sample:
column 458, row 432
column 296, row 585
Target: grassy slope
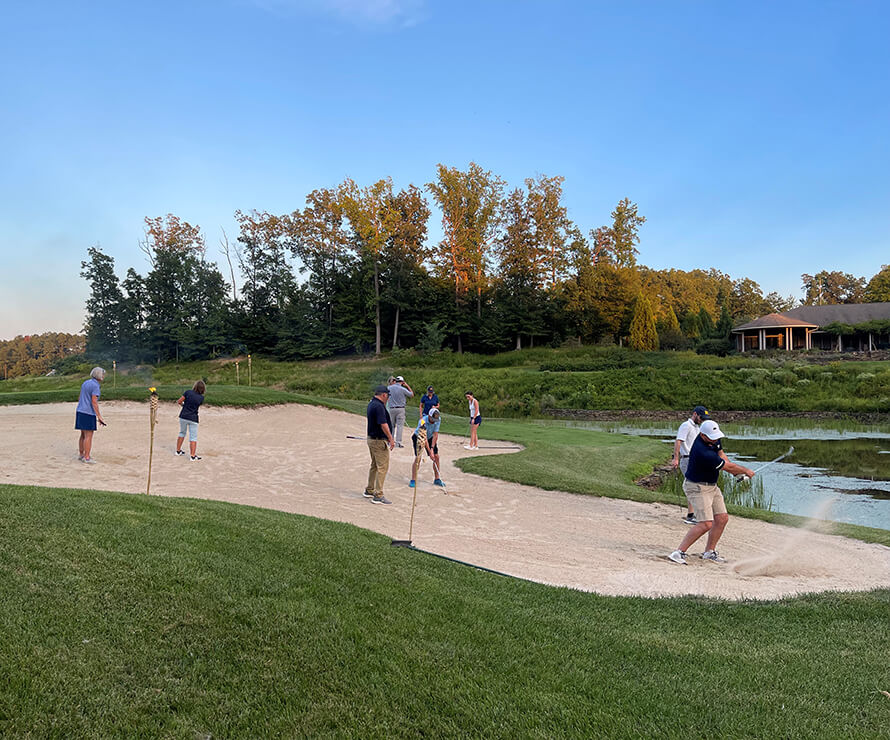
column 127, row 615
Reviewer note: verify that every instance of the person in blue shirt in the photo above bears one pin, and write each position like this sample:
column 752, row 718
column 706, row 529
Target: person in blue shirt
column 428, row 401
column 188, row 418
column 87, row 415
column 421, row 440
column 706, row 460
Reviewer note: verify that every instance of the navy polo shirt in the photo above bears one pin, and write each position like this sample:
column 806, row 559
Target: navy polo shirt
column 190, row 405
column 429, row 401
column 705, row 462
column 377, row 417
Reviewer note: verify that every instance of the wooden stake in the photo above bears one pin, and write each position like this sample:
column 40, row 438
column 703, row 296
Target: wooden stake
column 152, row 420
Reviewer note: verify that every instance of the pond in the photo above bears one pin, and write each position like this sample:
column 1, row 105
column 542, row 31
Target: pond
column 842, row 466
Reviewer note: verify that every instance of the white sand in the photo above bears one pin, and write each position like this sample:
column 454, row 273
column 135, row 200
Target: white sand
column 298, row 459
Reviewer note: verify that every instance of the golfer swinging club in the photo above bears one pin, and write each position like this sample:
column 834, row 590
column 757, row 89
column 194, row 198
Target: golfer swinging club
column 421, row 440
column 706, row 460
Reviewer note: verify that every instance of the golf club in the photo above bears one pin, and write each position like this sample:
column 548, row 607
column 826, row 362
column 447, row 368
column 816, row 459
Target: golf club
column 780, row 457
column 407, row 543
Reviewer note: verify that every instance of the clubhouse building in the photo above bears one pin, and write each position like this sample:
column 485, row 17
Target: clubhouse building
column 848, row 327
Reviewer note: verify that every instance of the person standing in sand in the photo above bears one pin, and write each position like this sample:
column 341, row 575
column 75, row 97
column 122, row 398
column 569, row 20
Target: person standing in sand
column 422, row 441
column 399, row 393
column 706, row 460
column 87, row 415
column 380, row 442
column 686, row 435
column 188, row 418
column 475, row 421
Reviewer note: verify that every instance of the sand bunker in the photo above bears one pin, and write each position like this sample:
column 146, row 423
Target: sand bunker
column 298, row 459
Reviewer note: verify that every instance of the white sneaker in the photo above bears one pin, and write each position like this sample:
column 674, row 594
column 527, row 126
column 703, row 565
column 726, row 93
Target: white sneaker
column 467, row 447
column 678, row 556
column 713, row 556
column 88, row 460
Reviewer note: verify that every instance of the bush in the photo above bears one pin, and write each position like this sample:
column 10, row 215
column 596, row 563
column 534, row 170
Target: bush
column 719, row 347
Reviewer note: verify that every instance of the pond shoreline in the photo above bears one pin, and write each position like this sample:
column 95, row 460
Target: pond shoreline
column 871, row 417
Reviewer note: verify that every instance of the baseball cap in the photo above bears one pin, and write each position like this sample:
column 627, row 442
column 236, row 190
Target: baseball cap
column 711, row 430
column 400, row 379
column 434, row 414
column 380, row 389
column 702, row 412
column 429, row 387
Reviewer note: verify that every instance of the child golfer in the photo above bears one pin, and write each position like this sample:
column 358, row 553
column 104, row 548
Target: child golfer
column 421, row 440
column 188, row 418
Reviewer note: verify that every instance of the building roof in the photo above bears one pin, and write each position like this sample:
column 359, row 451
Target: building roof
column 842, row 313
column 775, row 321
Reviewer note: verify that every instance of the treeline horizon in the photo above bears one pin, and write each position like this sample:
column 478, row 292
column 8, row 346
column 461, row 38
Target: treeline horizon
column 353, row 271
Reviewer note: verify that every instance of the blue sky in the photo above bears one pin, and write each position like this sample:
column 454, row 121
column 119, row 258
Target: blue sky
column 753, row 136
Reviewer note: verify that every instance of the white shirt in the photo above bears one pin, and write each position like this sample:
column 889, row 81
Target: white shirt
column 687, row 433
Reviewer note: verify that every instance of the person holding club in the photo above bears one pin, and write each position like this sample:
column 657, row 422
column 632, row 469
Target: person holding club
column 87, row 415
column 686, row 435
column 421, row 440
column 706, row 460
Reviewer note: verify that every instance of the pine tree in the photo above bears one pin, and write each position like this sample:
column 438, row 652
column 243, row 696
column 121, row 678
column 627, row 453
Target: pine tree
column 643, row 335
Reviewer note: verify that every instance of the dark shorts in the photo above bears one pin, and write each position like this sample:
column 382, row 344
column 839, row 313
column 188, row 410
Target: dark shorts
column 85, row 422
column 415, row 442
column 477, row 421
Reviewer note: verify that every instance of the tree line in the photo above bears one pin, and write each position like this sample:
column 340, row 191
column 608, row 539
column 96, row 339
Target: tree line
column 353, row 270
column 39, row 353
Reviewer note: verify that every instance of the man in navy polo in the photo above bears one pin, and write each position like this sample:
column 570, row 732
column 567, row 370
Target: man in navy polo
column 706, row 460
column 380, row 442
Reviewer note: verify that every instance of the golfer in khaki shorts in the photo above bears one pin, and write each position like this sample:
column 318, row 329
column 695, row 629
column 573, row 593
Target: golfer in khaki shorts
column 706, row 460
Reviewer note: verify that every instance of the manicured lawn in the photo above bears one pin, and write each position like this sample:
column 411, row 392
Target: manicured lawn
column 122, row 615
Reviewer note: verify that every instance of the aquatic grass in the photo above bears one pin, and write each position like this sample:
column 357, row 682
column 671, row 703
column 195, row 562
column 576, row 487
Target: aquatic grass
column 740, row 494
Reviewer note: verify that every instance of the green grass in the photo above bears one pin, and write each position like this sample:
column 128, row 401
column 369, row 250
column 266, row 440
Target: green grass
column 528, row 383
column 127, row 616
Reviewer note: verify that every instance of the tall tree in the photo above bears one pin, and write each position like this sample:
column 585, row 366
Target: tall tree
column 371, row 219
column 626, row 222
column 102, row 325
column 318, row 238
column 643, row 334
column 406, row 251
column 470, row 203
column 268, row 278
column 832, row 287
column 878, row 288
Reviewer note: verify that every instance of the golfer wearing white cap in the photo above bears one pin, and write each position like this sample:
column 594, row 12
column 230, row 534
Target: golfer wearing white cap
column 706, row 460
column 399, row 393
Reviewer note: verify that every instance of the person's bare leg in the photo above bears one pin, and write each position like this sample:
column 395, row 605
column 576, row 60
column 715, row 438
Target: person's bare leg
column 720, row 521
column 87, row 443
column 693, row 534
column 179, row 441
column 474, row 437
column 80, row 444
column 193, row 446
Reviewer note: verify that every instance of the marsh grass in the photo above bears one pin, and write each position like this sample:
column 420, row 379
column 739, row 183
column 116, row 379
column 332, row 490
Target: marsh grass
column 744, row 494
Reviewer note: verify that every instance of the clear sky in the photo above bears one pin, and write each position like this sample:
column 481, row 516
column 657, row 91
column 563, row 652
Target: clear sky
column 754, row 136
